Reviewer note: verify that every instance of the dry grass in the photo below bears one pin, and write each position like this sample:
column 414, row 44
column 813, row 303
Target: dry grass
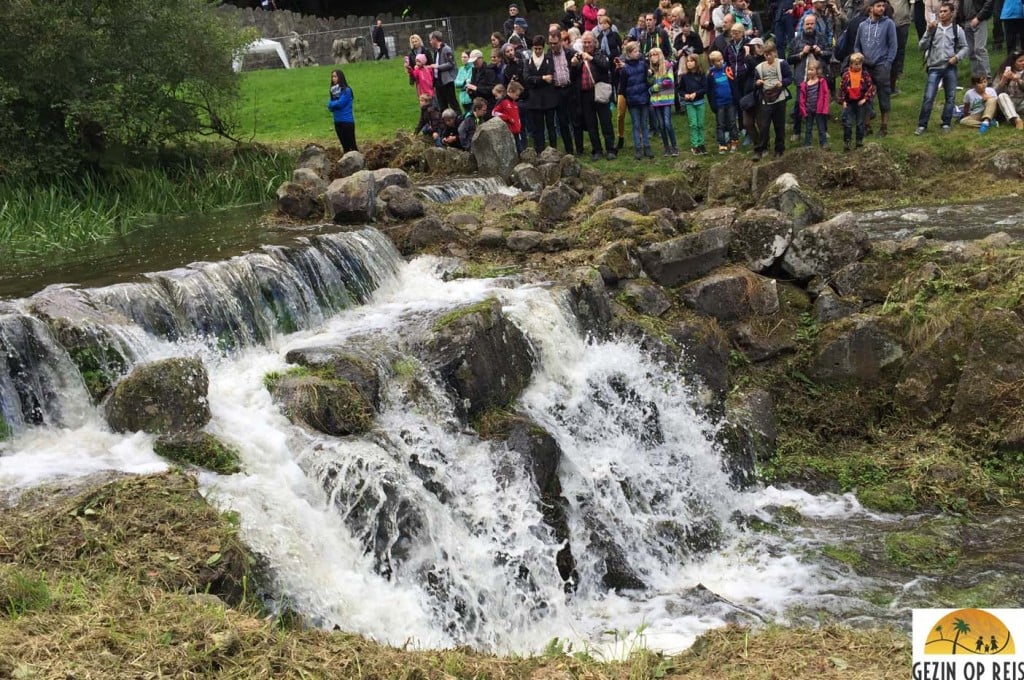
column 118, row 581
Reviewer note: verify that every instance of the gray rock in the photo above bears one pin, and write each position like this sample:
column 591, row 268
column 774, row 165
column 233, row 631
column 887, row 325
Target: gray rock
column 353, row 199
column 341, row 363
column 556, row 201
column 928, row 380
column 617, row 261
column 549, row 155
column 722, row 216
column 996, row 241
column 299, row 201
column 491, row 237
column 322, row 403
column 762, row 341
column 760, row 237
column 1007, row 163
column 461, row 219
column 483, row 359
column 731, row 294
column 526, row 177
column 829, row 306
column 859, row 349
column 430, row 231
column 314, row 158
column 730, row 182
column 633, row 201
column 645, row 297
column 308, row 178
column 748, row 435
column 686, row 257
column 524, row 240
column 549, row 172
column 989, row 389
column 161, row 397
column 349, row 164
column 869, row 281
column 786, row 196
column 596, row 197
column 529, row 155
column 588, row 300
column 391, row 177
column 703, row 354
column 569, row 167
column 494, row 149
column 618, row 222
column 449, row 161
column 823, row 248
column 404, row 204
column 555, row 243
column 667, row 192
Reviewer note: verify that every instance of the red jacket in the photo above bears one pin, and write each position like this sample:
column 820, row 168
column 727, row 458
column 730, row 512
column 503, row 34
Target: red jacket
column 820, row 106
column 508, row 111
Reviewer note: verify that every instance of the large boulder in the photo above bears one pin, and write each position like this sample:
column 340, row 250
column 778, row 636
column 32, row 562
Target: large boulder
column 320, row 401
column 589, row 302
column 823, row 248
column 481, row 357
column 632, row 200
column 349, row 164
column 667, row 192
column 703, row 354
column 391, row 177
column 341, row 363
column 928, row 380
column 732, row 293
column 353, row 199
column 786, row 196
column 402, row 203
column 686, row 257
column 760, row 237
column 616, row 261
column 709, row 218
column 301, row 201
column 424, row 233
column 748, row 435
column 494, row 149
column 859, row 349
column 314, row 158
column 524, row 240
column 645, row 297
column 161, row 397
column 991, row 385
column 447, row 161
column 526, row 177
column 555, row 201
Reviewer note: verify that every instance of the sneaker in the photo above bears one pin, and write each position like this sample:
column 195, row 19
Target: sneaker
column 733, row 145
column 722, row 149
column 667, row 153
column 794, row 138
column 595, row 156
column 920, row 130
column 984, row 127
column 1018, row 123
column 946, row 128
column 703, row 150
column 695, row 150
column 675, row 152
column 612, row 155
column 860, row 143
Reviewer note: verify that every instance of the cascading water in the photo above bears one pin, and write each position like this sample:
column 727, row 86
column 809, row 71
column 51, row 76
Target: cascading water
column 468, row 186
column 421, row 531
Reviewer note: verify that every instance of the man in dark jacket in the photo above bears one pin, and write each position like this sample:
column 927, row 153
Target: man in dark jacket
column 655, row 36
column 509, row 26
column 444, row 73
column 482, row 81
column 566, row 78
column 379, row 41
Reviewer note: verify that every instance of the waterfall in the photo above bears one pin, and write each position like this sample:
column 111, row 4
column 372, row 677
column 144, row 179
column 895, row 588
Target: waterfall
column 465, row 186
column 420, row 532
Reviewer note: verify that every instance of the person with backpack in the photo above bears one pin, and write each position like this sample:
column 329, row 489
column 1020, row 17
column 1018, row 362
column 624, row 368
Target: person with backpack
column 944, row 45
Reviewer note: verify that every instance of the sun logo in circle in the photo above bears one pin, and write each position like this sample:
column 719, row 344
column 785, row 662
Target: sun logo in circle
column 969, row 631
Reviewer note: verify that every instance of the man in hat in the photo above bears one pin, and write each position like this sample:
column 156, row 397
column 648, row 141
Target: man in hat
column 513, row 13
column 519, row 28
column 483, row 79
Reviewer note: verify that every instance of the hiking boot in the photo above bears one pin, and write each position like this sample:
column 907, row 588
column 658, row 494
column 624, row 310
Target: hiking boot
column 919, row 131
column 596, row 156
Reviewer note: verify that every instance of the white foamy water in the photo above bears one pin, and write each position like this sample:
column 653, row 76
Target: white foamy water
column 421, row 533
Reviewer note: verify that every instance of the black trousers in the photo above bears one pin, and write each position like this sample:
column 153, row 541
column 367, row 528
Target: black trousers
column 346, row 135
column 446, row 97
column 768, row 115
column 539, row 121
column 595, row 113
column 563, row 111
column 383, row 51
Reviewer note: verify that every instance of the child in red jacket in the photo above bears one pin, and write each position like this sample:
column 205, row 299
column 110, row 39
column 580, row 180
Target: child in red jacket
column 507, row 109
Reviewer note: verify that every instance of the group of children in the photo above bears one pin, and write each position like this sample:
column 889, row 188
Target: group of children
column 450, row 129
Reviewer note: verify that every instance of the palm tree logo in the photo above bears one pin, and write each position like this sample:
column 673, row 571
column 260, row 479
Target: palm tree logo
column 993, row 637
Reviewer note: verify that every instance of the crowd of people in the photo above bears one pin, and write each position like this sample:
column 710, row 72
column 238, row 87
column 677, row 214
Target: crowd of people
column 580, row 77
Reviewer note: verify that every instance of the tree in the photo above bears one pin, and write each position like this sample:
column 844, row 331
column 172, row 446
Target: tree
column 960, row 626
column 87, row 81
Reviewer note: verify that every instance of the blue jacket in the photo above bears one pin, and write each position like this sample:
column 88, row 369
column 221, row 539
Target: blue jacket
column 342, row 107
column 719, row 87
column 633, row 82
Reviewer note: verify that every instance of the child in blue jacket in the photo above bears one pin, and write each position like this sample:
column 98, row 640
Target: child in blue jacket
column 719, row 88
column 340, row 104
column 633, row 86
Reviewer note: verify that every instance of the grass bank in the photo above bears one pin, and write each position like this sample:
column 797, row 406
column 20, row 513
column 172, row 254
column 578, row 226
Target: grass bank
column 140, row 578
column 70, row 214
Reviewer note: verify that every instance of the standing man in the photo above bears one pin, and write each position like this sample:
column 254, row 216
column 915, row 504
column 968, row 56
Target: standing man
column 944, row 45
column 444, row 73
column 565, row 61
column 379, row 41
column 654, row 36
column 902, row 16
column 513, row 13
column 974, row 16
column 876, row 40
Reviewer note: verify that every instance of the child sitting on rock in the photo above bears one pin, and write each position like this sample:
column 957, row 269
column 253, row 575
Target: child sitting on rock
column 469, row 124
column 507, row 109
column 430, row 117
column 448, row 134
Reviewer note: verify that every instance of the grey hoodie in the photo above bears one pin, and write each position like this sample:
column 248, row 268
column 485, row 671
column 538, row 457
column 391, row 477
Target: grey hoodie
column 939, row 45
column 876, row 40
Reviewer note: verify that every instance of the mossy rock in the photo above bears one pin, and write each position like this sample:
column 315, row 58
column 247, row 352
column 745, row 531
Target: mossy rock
column 161, row 397
column 202, row 449
column 928, row 550
column 321, row 401
column 6, row 431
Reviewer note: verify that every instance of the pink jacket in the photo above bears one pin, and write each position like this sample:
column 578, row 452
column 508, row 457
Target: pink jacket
column 589, row 13
column 424, row 78
column 820, row 106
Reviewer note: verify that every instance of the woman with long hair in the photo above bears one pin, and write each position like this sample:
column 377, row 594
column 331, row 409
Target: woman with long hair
column 415, row 48
column 340, row 104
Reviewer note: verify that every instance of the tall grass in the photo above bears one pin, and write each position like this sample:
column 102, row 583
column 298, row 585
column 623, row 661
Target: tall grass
column 69, row 214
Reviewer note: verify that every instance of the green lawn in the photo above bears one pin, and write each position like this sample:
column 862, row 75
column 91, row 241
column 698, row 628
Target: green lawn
column 290, row 108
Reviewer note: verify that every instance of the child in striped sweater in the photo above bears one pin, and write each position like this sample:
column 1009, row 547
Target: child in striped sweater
column 662, row 84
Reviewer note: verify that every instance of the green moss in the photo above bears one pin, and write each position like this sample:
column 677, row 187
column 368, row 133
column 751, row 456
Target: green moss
column 5, row 429
column 270, row 380
column 924, row 550
column 483, row 270
column 482, row 307
column 404, row 368
column 843, row 554
column 201, row 449
column 993, row 591
column 495, row 423
column 888, row 497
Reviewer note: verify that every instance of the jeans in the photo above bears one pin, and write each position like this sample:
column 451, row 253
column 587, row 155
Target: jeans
column 819, row 120
column 640, row 123
column 855, row 115
column 726, row 127
column 662, row 116
column 947, row 76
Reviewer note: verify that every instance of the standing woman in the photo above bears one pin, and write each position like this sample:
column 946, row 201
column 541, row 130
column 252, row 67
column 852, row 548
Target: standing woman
column 461, row 80
column 415, row 48
column 539, row 73
column 705, row 26
column 340, row 104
